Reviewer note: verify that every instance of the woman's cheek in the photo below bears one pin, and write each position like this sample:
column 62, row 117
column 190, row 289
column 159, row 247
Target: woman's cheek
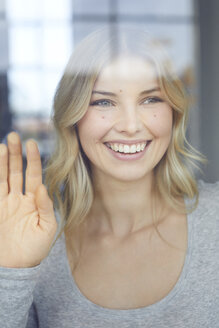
column 160, row 121
column 94, row 124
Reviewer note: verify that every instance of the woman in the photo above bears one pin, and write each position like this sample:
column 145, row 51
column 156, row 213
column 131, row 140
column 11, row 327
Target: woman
column 137, row 242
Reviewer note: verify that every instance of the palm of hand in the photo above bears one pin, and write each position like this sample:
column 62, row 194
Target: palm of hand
column 27, row 222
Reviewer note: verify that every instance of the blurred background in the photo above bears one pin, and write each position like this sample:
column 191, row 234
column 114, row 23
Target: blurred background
column 38, row 36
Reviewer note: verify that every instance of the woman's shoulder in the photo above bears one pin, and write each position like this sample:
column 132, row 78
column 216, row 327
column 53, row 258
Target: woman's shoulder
column 210, row 186
column 207, row 210
column 208, row 197
column 209, row 191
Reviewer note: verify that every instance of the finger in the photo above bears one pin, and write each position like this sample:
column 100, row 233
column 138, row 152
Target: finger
column 3, row 171
column 46, row 212
column 15, row 176
column 34, row 167
column 44, row 203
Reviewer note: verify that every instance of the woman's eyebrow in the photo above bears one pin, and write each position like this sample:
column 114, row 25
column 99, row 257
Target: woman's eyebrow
column 105, row 93
column 149, row 91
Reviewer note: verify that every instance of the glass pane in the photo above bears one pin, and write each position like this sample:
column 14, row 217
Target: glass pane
column 57, row 9
column 3, row 46
column 25, row 45
column 57, row 45
column 81, row 30
column 158, row 7
column 50, row 81
column 177, row 39
column 24, row 9
column 84, row 7
column 26, row 91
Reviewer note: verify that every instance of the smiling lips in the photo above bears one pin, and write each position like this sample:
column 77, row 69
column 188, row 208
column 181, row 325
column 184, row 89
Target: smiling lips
column 127, row 148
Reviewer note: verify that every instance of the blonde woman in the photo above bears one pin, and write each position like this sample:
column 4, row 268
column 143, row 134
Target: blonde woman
column 137, row 239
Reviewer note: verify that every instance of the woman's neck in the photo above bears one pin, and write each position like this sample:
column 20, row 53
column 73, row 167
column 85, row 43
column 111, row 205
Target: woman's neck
column 120, row 208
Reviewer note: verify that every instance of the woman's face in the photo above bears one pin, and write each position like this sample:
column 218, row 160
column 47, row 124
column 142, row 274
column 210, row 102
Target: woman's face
column 128, row 125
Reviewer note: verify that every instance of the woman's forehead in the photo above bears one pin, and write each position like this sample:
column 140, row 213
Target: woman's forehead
column 127, row 69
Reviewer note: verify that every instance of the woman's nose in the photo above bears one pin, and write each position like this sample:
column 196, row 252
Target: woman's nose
column 129, row 121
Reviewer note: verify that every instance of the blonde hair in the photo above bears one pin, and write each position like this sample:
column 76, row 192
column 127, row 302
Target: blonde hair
column 68, row 175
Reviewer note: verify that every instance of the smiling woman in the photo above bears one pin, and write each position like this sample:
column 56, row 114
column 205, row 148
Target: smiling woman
column 137, row 124
column 102, row 63
column 133, row 248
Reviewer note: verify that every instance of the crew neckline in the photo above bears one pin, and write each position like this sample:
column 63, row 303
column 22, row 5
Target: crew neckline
column 150, row 308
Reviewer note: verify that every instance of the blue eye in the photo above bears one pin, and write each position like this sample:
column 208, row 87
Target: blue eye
column 152, row 100
column 102, row 103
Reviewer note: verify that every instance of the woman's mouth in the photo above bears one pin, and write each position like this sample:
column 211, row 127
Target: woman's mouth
column 128, row 152
column 127, row 148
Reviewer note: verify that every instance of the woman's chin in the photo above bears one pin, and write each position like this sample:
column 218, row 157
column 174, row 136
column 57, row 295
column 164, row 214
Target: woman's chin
column 130, row 176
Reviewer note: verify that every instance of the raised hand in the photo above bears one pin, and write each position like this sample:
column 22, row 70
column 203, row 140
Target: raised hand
column 27, row 221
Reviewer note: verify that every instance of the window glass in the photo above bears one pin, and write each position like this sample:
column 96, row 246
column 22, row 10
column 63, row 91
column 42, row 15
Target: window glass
column 43, row 33
column 159, row 8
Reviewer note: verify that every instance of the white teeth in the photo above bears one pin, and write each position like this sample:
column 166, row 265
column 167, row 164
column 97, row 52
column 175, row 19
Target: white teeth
column 116, row 147
column 133, row 149
column 127, row 149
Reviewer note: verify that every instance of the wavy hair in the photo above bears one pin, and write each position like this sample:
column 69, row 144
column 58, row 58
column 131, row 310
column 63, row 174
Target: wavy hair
column 68, row 175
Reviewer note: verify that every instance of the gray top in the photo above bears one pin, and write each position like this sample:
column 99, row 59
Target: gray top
column 47, row 296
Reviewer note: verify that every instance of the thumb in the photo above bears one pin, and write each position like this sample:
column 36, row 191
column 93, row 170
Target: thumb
column 44, row 203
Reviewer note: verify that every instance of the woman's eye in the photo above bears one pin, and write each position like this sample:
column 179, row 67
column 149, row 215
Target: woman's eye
column 152, row 100
column 102, row 103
